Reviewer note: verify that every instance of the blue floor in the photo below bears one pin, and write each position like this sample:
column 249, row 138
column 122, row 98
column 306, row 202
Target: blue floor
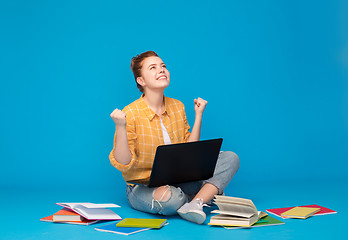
column 22, row 209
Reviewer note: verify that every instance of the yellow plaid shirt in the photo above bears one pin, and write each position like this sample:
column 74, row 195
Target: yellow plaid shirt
column 145, row 134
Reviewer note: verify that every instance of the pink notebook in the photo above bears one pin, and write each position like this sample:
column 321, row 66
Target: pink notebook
column 323, row 210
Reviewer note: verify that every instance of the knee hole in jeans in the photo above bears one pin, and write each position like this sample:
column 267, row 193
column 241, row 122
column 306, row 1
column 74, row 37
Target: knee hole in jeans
column 162, row 194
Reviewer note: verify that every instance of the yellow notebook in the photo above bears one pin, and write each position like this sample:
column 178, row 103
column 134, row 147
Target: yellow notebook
column 142, row 223
column 300, row 212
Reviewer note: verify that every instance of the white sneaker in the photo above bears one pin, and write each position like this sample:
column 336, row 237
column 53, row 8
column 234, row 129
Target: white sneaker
column 193, row 211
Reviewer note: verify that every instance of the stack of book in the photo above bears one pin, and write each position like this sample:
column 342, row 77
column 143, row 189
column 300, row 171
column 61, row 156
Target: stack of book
column 239, row 212
column 82, row 213
column 301, row 212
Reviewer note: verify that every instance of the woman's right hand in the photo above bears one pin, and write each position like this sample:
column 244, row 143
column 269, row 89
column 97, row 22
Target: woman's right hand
column 119, row 117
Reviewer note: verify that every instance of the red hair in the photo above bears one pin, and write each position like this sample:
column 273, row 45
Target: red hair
column 137, row 64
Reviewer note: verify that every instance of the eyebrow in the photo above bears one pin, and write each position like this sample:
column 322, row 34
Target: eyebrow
column 156, row 64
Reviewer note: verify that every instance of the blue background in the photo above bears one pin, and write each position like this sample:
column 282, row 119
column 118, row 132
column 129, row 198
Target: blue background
column 275, row 74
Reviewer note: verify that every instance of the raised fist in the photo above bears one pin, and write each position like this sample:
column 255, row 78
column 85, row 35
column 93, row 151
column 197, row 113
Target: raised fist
column 200, row 105
column 119, row 117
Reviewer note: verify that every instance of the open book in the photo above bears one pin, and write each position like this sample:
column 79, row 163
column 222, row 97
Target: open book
column 235, row 212
column 92, row 211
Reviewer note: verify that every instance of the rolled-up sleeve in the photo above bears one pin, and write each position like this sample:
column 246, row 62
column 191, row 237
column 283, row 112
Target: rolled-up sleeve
column 131, row 135
column 186, row 126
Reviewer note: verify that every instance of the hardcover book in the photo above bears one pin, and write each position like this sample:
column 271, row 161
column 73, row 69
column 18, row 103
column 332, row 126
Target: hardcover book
column 82, row 222
column 66, row 214
column 234, row 211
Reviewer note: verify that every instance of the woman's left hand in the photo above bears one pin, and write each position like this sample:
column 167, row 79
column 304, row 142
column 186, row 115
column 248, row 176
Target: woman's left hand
column 200, row 105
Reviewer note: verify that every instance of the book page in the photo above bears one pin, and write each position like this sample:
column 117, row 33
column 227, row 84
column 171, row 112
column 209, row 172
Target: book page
column 70, row 205
column 234, row 214
column 228, row 217
column 96, row 213
column 99, row 205
column 234, row 200
column 226, row 221
column 88, row 205
column 239, row 210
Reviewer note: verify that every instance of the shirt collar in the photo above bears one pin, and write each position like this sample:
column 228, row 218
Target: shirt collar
column 148, row 111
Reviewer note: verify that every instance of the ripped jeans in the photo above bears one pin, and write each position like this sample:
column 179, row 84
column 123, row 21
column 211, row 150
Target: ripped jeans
column 142, row 198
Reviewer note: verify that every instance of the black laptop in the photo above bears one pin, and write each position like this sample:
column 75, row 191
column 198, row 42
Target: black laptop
column 183, row 162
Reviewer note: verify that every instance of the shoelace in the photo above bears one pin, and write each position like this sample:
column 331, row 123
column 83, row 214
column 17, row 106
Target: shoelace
column 200, row 203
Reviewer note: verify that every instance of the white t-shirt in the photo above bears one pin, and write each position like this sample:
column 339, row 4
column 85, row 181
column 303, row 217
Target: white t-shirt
column 166, row 137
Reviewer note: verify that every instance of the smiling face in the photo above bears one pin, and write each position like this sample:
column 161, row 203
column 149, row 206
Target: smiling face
column 154, row 74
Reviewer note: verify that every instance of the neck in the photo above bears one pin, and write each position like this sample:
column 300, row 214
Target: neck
column 155, row 101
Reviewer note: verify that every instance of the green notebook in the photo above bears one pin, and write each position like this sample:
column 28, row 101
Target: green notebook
column 265, row 221
column 142, row 223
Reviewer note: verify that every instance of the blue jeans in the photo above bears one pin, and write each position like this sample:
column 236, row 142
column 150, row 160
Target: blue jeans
column 142, row 198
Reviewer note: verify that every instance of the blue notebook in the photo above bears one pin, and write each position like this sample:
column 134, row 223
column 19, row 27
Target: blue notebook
column 119, row 230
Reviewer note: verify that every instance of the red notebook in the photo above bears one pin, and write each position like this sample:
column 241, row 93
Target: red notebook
column 84, row 222
column 80, row 221
column 279, row 211
column 66, row 214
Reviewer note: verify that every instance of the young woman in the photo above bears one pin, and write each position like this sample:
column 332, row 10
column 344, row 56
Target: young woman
column 154, row 120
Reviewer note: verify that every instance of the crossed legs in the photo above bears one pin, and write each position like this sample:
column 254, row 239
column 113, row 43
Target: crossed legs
column 166, row 200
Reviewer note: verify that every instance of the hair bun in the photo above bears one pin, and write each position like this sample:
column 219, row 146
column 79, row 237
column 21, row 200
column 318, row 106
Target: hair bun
column 136, row 65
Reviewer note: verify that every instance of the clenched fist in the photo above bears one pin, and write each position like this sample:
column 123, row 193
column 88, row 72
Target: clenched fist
column 119, row 117
column 200, row 105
